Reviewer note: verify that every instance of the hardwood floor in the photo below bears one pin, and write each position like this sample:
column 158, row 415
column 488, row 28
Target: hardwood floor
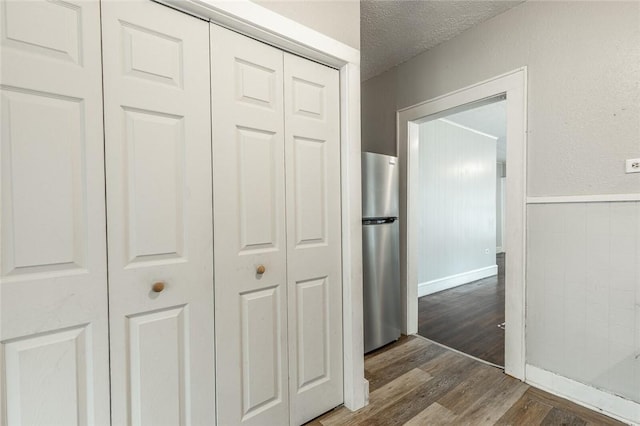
column 466, row 318
column 417, row 382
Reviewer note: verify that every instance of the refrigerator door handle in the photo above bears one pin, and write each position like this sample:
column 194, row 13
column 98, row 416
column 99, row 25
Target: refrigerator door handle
column 378, row 220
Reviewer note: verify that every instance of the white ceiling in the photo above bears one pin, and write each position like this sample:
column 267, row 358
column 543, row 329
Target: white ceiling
column 490, row 119
column 394, row 31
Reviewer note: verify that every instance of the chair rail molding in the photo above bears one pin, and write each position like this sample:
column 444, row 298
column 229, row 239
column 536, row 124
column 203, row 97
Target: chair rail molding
column 598, row 198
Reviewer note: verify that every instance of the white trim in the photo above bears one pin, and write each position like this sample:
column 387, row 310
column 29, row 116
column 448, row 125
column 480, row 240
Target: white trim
column 602, row 198
column 499, row 250
column 356, row 389
column 476, row 102
column 445, row 283
column 264, row 25
column 514, row 85
column 595, row 399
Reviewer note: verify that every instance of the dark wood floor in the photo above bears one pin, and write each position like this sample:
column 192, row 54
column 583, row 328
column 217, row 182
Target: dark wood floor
column 416, row 382
column 466, row 318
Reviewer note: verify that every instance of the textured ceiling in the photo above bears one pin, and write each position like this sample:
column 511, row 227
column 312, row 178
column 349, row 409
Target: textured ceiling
column 392, row 32
column 490, row 119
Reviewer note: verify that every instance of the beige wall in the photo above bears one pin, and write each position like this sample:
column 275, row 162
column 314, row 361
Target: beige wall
column 337, row 19
column 583, row 62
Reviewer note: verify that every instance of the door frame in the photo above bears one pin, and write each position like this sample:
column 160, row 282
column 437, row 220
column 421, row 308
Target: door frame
column 514, row 85
column 262, row 24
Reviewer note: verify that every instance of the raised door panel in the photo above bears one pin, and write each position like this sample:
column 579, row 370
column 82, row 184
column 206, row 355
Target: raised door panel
column 159, row 342
column 310, row 191
column 152, row 56
column 52, row 29
column 257, row 171
column 248, row 176
column 159, row 198
column 261, row 351
column 48, row 377
column 53, row 284
column 44, row 230
column 312, row 338
column 155, row 201
column 312, row 138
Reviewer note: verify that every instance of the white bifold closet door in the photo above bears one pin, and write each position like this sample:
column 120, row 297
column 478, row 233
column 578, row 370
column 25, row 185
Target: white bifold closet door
column 277, row 233
column 158, row 168
column 314, row 265
column 54, row 359
column 249, row 231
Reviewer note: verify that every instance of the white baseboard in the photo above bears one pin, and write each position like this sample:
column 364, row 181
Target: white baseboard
column 452, row 281
column 612, row 405
column 366, row 392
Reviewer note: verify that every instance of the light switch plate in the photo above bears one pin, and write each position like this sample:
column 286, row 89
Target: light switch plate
column 633, row 165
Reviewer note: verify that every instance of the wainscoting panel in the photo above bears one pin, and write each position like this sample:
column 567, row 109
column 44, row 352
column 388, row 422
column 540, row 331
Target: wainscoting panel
column 583, row 293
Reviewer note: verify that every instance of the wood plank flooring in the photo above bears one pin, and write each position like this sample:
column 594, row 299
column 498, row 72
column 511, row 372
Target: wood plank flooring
column 417, row 382
column 466, row 318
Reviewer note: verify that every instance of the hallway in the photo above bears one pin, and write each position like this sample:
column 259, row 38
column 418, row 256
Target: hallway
column 466, row 318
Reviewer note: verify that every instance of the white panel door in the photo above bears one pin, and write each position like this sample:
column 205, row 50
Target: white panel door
column 159, row 195
column 53, row 283
column 249, row 211
column 314, row 271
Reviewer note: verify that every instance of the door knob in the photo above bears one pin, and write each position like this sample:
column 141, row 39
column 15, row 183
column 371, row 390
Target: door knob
column 157, row 287
column 260, row 269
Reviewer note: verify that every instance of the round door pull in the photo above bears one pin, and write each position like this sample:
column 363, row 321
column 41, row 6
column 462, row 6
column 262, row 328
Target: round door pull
column 157, row 287
column 260, row 269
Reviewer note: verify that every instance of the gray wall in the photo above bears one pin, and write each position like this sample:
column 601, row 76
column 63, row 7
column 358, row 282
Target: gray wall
column 337, row 19
column 457, row 202
column 583, row 63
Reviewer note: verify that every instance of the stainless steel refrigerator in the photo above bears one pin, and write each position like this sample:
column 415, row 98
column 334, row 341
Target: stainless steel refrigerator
column 380, row 250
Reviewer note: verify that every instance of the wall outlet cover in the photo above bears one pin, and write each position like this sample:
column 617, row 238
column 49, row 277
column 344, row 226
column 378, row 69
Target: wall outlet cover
column 633, row 165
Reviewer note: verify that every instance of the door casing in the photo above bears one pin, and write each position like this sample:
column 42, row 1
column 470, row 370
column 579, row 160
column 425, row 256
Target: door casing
column 514, row 86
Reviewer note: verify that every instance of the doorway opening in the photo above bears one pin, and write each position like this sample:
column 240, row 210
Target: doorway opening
column 512, row 87
column 462, row 165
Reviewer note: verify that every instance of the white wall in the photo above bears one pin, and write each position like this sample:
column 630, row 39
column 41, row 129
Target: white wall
column 583, row 293
column 583, row 62
column 337, row 19
column 457, row 206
